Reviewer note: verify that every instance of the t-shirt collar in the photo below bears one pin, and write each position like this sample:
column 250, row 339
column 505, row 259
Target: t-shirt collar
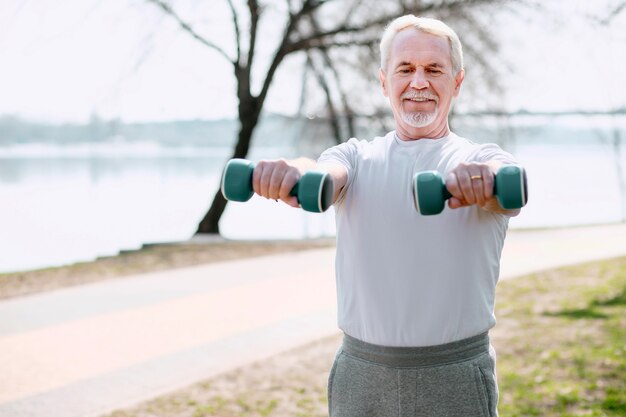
column 421, row 142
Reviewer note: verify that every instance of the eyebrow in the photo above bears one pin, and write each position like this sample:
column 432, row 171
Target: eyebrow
column 431, row 65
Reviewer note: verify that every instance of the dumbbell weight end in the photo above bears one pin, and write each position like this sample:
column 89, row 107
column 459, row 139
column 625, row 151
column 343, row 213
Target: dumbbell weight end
column 429, row 192
column 315, row 191
column 511, row 187
column 237, row 180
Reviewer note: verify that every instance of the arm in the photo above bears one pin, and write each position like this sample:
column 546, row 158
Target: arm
column 467, row 188
column 274, row 179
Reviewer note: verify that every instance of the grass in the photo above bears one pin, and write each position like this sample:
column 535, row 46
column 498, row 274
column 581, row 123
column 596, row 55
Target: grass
column 560, row 340
column 567, row 335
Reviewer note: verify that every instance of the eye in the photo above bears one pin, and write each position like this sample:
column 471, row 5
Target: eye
column 435, row 71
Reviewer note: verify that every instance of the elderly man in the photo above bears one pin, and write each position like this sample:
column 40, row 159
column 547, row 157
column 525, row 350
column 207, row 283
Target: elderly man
column 415, row 293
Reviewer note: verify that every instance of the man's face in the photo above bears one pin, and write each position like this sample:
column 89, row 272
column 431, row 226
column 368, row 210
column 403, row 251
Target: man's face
column 420, row 83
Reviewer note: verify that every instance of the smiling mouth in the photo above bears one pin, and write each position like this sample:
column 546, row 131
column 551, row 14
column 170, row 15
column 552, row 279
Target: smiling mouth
column 419, row 97
column 420, row 103
column 420, row 100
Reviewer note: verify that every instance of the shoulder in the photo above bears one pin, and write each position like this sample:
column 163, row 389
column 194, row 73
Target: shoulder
column 377, row 141
column 355, row 146
column 480, row 152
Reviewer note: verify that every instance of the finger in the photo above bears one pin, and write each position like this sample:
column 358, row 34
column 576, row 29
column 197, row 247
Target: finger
column 452, row 184
column 275, row 182
column 256, row 177
column 292, row 201
column 289, row 181
column 465, row 185
column 488, row 182
column 455, row 203
column 264, row 181
column 477, row 184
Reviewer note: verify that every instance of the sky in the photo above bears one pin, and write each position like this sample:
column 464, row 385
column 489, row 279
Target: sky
column 72, row 60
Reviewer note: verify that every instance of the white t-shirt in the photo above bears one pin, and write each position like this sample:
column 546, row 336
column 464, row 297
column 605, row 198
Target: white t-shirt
column 404, row 279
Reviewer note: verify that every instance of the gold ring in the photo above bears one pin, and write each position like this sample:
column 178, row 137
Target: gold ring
column 476, row 177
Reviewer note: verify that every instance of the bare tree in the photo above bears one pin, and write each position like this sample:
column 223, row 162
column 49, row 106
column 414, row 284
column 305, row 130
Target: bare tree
column 324, row 30
column 613, row 13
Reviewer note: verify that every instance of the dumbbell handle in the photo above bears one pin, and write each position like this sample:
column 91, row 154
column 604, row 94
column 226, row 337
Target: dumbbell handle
column 294, row 191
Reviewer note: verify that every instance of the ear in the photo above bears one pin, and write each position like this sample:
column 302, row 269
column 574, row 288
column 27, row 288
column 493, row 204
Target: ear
column 381, row 75
column 460, row 76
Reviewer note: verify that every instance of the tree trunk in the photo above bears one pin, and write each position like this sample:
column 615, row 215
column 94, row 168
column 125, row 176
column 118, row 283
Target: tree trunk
column 210, row 223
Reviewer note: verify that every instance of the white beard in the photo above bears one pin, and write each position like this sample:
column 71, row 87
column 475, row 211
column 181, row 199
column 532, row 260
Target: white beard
column 418, row 119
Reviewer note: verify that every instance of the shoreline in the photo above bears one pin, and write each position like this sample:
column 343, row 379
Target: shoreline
column 198, row 250
column 149, row 258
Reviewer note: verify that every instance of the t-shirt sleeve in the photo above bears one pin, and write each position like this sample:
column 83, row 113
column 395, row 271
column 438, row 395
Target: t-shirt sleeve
column 345, row 155
column 491, row 152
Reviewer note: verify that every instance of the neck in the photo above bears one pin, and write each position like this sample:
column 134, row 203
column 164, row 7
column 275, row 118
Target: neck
column 427, row 132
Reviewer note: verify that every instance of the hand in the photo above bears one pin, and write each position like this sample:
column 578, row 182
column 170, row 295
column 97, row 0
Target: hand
column 472, row 183
column 275, row 179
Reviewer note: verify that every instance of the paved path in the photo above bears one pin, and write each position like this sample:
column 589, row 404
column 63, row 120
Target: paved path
column 83, row 351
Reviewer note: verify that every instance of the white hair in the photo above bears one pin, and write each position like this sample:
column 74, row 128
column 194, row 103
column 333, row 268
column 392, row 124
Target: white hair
column 427, row 25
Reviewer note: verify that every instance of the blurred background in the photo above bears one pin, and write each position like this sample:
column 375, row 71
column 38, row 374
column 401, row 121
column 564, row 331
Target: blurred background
column 117, row 117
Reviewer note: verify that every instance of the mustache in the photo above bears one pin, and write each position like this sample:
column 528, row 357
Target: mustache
column 412, row 95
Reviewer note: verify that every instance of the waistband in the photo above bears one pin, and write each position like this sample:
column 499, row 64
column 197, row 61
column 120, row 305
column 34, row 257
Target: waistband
column 417, row 357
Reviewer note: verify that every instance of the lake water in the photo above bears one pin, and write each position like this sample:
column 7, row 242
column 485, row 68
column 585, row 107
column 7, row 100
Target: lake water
column 64, row 204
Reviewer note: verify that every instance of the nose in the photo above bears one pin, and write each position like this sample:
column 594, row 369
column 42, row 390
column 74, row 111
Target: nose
column 419, row 81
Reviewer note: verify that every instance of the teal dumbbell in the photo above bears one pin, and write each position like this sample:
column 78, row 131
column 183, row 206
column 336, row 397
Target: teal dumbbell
column 314, row 190
column 430, row 192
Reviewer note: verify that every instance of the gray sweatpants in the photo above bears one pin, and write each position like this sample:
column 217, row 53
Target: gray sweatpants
column 452, row 380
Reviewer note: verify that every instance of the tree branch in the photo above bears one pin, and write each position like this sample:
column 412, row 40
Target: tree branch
column 255, row 13
column 344, row 99
column 323, row 83
column 187, row 28
column 607, row 20
column 307, row 7
column 237, row 30
column 318, row 38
